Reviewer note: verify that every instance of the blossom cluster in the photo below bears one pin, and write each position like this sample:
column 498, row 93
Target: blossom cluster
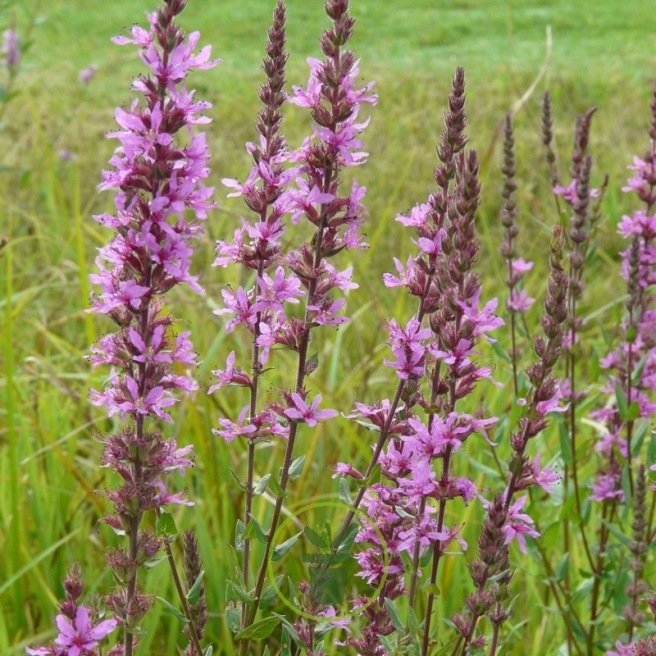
column 632, row 365
column 296, row 288
column 518, row 300
column 434, row 358
column 505, row 518
column 157, row 175
column 77, row 634
column 11, row 49
column 283, row 186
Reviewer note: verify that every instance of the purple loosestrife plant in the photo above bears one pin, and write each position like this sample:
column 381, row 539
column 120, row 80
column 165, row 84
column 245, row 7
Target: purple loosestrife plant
column 308, row 190
column 631, row 386
column 505, row 520
column 11, row 50
column 157, row 174
column 435, row 368
column 583, row 203
column 417, row 276
column 257, row 246
column 459, row 323
column 518, row 301
column 77, row 632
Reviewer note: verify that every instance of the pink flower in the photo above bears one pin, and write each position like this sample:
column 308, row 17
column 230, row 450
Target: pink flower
column 519, row 301
column 408, row 347
column 87, row 74
column 521, row 266
column 231, row 430
column 239, row 306
column 607, row 486
column 546, row 478
column 424, row 533
column 621, row 650
column 231, row 375
column 80, row 636
column 569, row 192
column 273, row 292
column 11, row 49
column 518, row 525
column 310, row 414
column 346, row 469
column 417, row 217
column 407, row 274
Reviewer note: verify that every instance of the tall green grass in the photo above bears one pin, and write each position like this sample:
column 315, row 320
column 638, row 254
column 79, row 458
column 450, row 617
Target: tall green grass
column 51, row 500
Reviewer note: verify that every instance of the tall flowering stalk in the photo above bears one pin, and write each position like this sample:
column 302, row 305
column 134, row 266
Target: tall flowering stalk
column 157, row 173
column 257, row 246
column 505, row 518
column 578, row 195
column 309, row 190
column 77, row 634
column 11, row 50
column 417, row 276
column 435, row 363
column 518, row 301
column 632, row 374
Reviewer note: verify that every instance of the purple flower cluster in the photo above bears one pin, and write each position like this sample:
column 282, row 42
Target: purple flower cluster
column 157, row 175
column 301, row 186
column 632, row 365
column 11, row 49
column 577, row 188
column 77, row 634
column 505, row 520
column 434, row 360
column 518, row 300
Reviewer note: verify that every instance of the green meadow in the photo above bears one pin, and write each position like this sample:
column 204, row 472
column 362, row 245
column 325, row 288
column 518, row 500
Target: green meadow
column 585, row 53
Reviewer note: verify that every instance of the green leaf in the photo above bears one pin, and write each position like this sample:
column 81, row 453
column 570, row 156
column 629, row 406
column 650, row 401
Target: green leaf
column 311, row 363
column 172, row 609
column 624, row 539
column 285, row 642
column 500, row 352
column 166, row 525
column 193, row 594
column 242, row 486
column 254, row 530
column 261, row 485
column 284, row 547
column 314, row 538
column 233, row 618
column 636, row 376
column 259, row 630
column 622, row 403
column 209, row 651
column 344, row 492
column 296, row 468
column 413, row 623
column 349, row 538
column 154, row 562
column 270, row 593
column 651, row 449
column 639, row 435
column 274, row 484
column 239, row 535
column 394, row 615
column 562, row 568
column 632, row 412
column 626, row 485
column 565, row 444
column 235, row 591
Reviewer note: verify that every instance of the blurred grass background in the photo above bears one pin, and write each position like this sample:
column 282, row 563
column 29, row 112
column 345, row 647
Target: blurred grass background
column 50, row 484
